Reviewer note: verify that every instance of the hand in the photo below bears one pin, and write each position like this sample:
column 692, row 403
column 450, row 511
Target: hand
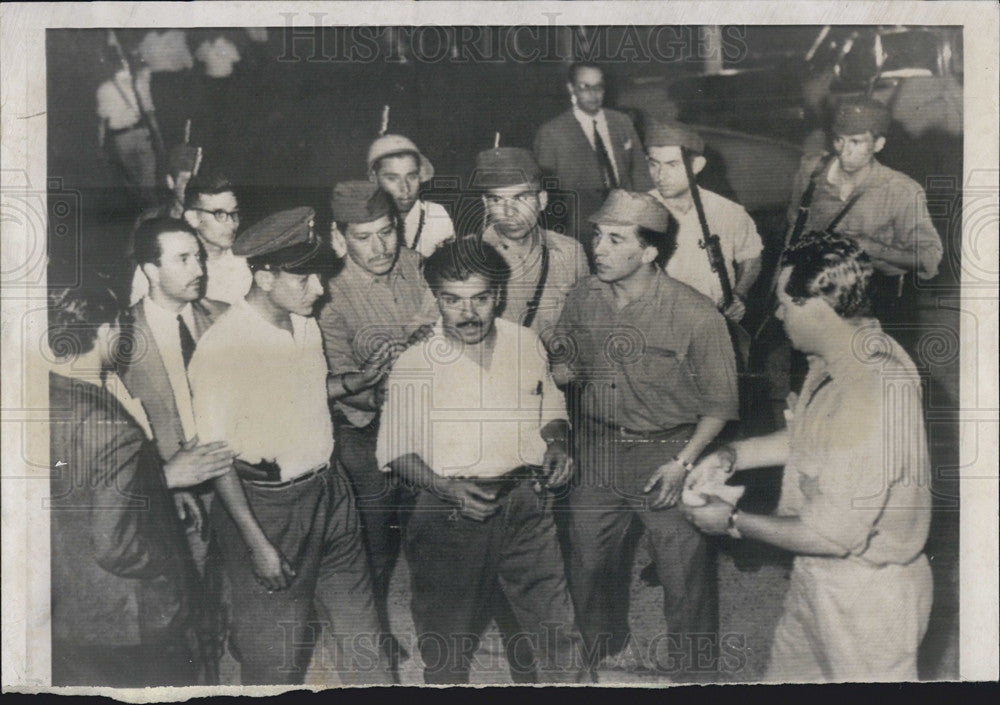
column 376, row 365
column 670, row 478
column 271, row 568
column 421, row 334
column 189, row 510
column 557, row 466
column 473, row 500
column 712, row 517
column 736, row 310
column 713, row 469
column 194, row 464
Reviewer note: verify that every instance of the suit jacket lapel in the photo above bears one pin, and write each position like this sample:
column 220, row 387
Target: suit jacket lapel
column 148, row 381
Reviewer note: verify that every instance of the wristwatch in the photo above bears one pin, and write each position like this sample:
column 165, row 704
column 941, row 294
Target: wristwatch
column 731, row 527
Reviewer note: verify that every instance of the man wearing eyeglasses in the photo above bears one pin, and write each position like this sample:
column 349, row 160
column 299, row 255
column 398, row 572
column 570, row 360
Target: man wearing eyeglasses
column 591, row 149
column 379, row 299
column 211, row 208
column 544, row 265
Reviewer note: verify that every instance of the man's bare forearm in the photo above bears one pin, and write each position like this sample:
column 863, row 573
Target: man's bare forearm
column 704, row 433
column 230, row 491
column 762, row 451
column 747, row 272
column 788, row 533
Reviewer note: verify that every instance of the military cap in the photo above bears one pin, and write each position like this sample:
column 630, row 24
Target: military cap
column 857, row 115
column 630, row 208
column 387, row 145
column 673, row 134
column 505, row 166
column 285, row 241
column 182, row 158
column 359, row 202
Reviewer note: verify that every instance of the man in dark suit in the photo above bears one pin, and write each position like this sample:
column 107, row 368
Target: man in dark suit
column 122, row 602
column 167, row 324
column 591, row 149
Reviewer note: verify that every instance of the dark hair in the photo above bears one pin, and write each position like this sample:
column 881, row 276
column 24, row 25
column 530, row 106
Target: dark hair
column 577, row 66
column 147, row 246
column 377, row 164
column 457, row 260
column 665, row 243
column 206, row 184
column 832, row 268
column 75, row 314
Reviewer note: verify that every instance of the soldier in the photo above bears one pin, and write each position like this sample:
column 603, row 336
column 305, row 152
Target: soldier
column 398, row 167
column 544, row 265
column 738, row 238
column 882, row 210
column 287, row 530
column 471, row 419
column 654, row 381
column 592, row 149
column 855, row 501
column 379, row 298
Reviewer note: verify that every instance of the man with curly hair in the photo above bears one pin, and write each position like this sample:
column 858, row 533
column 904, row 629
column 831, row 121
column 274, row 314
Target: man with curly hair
column 855, row 501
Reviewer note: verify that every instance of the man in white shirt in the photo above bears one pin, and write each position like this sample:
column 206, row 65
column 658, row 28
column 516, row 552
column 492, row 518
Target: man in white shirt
column 211, row 208
column 123, row 102
column 738, row 238
column 166, row 326
column 288, row 530
column 472, row 420
column 399, row 168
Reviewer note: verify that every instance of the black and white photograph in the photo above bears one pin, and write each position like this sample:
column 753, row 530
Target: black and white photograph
column 498, row 343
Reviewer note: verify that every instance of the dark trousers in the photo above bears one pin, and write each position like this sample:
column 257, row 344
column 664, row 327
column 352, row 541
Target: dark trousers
column 315, row 526
column 457, row 567
column 380, row 502
column 169, row 663
column 606, row 499
column 895, row 301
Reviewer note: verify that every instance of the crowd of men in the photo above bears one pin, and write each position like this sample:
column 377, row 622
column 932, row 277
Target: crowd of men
column 251, row 442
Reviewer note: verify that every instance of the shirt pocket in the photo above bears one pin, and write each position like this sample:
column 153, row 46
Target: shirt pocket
column 660, row 365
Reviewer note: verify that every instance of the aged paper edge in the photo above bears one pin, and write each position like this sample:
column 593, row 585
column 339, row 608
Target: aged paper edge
column 24, row 394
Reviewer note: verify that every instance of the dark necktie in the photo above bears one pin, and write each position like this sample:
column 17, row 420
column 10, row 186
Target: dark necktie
column 602, row 155
column 187, row 341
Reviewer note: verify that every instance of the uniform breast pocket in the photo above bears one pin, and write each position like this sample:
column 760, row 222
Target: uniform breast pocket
column 659, row 364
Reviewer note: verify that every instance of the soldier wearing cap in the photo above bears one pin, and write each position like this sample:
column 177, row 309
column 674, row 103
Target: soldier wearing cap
column 379, row 299
column 287, row 528
column 653, row 381
column 544, row 265
column 399, row 168
column 882, row 210
column 666, row 145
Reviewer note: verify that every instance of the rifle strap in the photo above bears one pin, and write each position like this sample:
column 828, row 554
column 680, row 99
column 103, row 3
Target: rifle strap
column 536, row 298
column 831, row 228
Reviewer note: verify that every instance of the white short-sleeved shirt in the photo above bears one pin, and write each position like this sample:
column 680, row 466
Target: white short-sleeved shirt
column 464, row 420
column 263, row 390
column 738, row 239
column 437, row 227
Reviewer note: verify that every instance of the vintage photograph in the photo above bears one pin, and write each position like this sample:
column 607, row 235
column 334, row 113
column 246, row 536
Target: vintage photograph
column 498, row 352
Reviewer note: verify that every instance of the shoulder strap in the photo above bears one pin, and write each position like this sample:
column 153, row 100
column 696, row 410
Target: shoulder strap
column 420, row 225
column 805, row 202
column 532, row 308
column 831, row 228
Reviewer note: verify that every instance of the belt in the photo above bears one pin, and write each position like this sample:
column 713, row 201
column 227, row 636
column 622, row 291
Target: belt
column 245, row 470
column 627, row 435
column 112, row 132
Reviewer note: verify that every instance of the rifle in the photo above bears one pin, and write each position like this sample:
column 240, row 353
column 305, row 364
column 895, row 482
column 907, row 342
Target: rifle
column 710, row 243
column 147, row 116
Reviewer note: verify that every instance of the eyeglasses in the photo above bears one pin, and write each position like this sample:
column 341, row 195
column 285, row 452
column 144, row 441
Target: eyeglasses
column 220, row 214
column 587, row 88
column 525, row 197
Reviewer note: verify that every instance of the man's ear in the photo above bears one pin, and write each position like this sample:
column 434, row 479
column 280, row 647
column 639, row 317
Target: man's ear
column 698, row 163
column 879, row 144
column 543, row 200
column 151, row 271
column 338, row 241
column 572, row 95
column 649, row 254
column 372, row 176
column 263, row 279
column 191, row 218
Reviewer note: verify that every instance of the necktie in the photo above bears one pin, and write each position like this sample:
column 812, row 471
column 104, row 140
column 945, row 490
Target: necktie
column 602, row 155
column 187, row 341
